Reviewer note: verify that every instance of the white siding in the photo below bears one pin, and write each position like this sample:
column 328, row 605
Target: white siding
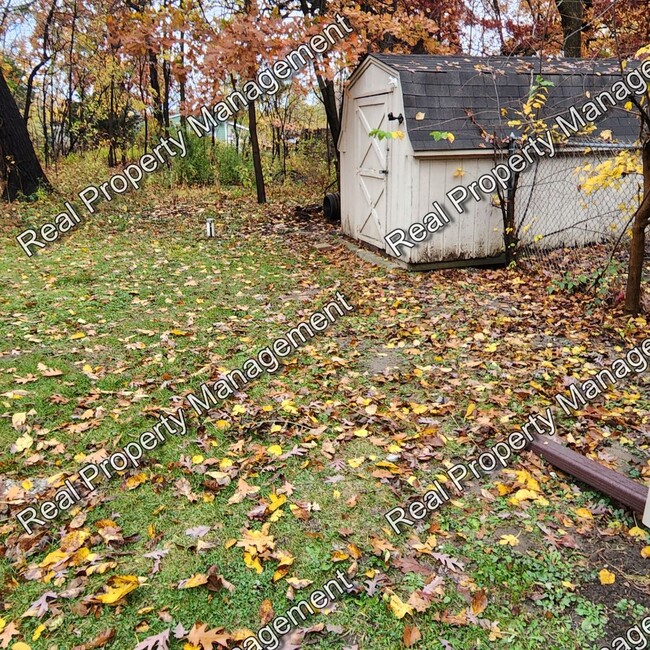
column 475, row 234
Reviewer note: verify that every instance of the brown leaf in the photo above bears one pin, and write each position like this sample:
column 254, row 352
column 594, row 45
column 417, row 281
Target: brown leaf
column 479, row 602
column 200, row 636
column 97, row 642
column 216, row 582
column 266, row 612
column 7, row 634
column 411, row 635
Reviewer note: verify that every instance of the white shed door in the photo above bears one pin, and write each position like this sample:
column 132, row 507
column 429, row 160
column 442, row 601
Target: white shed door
column 372, row 170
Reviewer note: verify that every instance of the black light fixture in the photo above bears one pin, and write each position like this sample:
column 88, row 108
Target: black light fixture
column 399, row 118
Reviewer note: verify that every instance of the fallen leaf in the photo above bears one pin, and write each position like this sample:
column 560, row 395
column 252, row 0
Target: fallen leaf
column 411, row 635
column 156, row 642
column 196, row 580
column 399, row 607
column 98, row 641
column 118, row 587
column 606, row 577
column 479, row 602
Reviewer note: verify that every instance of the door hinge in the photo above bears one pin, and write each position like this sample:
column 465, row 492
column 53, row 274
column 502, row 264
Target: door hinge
column 384, row 171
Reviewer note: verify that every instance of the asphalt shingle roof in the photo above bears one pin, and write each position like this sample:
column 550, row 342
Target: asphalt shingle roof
column 463, row 94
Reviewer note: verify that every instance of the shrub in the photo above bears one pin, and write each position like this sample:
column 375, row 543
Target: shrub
column 197, row 167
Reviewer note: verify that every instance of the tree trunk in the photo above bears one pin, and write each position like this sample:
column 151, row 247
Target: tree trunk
column 637, row 248
column 328, row 93
column 20, row 169
column 257, row 160
column 155, row 88
column 571, row 16
column 44, row 59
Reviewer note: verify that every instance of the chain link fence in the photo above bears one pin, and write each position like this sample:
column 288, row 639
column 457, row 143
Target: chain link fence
column 563, row 228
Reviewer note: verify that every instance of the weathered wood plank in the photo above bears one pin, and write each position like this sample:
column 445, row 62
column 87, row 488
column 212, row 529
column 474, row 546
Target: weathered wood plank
column 625, row 491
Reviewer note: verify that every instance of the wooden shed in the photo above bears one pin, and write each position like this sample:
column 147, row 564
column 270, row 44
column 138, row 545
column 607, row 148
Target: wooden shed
column 392, row 183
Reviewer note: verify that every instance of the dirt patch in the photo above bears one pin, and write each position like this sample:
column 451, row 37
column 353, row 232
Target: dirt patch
column 632, row 582
column 377, row 363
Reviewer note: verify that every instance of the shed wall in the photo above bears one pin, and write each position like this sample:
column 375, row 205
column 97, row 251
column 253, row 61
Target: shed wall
column 475, row 234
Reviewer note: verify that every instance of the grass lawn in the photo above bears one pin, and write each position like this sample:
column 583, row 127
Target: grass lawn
column 107, row 330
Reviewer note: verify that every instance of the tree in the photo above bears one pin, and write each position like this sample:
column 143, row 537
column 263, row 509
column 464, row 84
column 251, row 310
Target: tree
column 571, row 14
column 639, row 227
column 20, row 169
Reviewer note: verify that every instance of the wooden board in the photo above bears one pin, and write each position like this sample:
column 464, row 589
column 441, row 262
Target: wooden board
column 622, row 489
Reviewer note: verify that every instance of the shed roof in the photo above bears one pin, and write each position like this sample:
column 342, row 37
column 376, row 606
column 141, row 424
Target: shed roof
column 461, row 94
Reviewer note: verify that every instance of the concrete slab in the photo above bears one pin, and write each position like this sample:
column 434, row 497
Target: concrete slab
column 371, row 257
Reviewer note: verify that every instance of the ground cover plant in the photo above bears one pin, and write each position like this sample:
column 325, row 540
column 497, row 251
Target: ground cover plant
column 283, row 484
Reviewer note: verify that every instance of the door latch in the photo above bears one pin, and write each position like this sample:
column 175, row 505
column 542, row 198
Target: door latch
column 384, row 171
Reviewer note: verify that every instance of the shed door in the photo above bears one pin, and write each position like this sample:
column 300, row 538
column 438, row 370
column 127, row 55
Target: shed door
column 372, row 170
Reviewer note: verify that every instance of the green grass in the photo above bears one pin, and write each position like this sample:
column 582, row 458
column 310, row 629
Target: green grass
column 162, row 310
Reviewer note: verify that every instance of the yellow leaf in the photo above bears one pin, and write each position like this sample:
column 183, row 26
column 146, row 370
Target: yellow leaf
column 361, row 433
column 339, row 556
column 54, row 558
column 419, row 409
column 198, row 459
column 606, row 577
column 222, row 424
column 451, row 137
column 27, row 484
column 24, row 442
column 37, row 633
column 276, row 502
column 78, row 335
column 118, row 588
column 470, row 409
column 252, row 562
column 645, row 552
column 18, row 419
column 275, row 450
column 606, row 134
column 82, row 556
column 637, row 532
column 584, row 513
column 419, row 116
column 492, row 347
column 524, row 495
column 3, row 623
column 238, row 409
column 133, row 481
column 503, row 489
column 509, row 540
column 196, row 580
column 276, row 428
column 22, row 646
column 179, row 332
column 356, row 462
column 74, row 540
column 87, row 368
column 398, row 607
column 459, row 173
